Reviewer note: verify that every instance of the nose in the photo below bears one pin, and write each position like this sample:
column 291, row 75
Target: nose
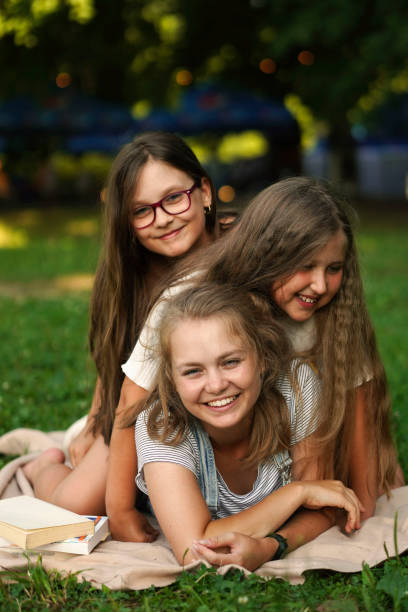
column 162, row 218
column 318, row 281
column 215, row 382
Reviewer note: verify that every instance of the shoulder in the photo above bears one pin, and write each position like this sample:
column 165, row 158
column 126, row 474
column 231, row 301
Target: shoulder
column 168, row 293
column 152, row 449
column 302, row 392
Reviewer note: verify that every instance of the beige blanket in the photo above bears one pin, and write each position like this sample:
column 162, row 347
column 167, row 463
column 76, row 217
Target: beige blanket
column 126, row 565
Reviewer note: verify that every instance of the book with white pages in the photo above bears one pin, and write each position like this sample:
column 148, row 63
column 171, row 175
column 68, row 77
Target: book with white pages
column 30, row 522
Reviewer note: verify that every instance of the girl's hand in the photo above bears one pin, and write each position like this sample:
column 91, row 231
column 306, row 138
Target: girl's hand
column 235, row 548
column 131, row 526
column 80, row 445
column 320, row 493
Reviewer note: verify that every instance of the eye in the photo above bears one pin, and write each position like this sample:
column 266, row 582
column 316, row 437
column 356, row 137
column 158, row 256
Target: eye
column 191, row 372
column 173, row 198
column 232, row 363
column 141, row 212
column 335, row 268
column 307, row 267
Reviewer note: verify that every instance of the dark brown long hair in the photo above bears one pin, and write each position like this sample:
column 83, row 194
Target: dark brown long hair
column 121, row 291
column 278, row 233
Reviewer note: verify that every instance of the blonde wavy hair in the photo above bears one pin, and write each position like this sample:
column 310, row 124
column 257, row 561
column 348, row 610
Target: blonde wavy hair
column 245, row 316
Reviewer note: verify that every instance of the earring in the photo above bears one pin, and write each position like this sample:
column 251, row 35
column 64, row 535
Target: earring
column 207, row 209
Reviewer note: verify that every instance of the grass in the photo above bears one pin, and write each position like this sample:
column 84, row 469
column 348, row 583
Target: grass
column 47, row 380
column 374, row 590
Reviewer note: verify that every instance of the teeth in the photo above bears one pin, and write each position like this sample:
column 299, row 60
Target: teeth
column 308, row 300
column 222, row 402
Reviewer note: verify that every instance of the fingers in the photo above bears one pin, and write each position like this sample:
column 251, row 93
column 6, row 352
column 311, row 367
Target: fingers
column 203, row 552
column 334, row 493
column 351, row 504
column 72, row 454
column 74, row 458
column 224, row 539
column 354, row 518
column 79, row 447
column 353, row 512
column 75, row 453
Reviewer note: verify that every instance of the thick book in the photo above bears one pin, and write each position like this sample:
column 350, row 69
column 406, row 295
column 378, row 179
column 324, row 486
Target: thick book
column 30, row 522
column 82, row 545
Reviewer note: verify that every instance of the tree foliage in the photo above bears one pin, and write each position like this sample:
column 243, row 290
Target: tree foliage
column 335, row 55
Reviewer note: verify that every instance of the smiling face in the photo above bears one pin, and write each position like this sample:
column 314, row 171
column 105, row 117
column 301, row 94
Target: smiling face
column 314, row 285
column 216, row 375
column 170, row 235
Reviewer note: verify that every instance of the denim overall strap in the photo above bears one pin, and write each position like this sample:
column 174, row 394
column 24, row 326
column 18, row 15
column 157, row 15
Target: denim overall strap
column 283, row 462
column 207, row 477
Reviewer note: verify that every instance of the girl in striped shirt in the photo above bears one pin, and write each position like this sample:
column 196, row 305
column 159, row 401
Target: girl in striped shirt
column 222, row 441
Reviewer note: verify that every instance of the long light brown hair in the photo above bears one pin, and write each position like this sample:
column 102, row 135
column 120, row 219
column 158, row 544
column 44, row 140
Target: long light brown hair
column 247, row 317
column 122, row 290
column 280, row 230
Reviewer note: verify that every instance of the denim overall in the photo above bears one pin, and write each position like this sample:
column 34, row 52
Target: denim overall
column 207, row 477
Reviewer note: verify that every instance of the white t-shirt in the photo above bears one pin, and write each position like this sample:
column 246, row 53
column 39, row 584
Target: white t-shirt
column 142, row 365
column 303, row 411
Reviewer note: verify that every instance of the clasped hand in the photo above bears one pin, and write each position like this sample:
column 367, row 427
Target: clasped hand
column 236, row 548
column 251, row 552
column 320, row 493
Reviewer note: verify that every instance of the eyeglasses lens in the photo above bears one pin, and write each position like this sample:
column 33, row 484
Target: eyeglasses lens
column 173, row 204
column 176, row 203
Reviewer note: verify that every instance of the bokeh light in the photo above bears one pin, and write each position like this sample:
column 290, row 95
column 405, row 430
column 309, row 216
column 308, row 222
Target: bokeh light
column 11, row 237
column 244, row 145
column 226, row 193
column 184, row 77
column 309, row 127
column 267, row 65
column 306, row 58
column 141, row 109
column 63, row 80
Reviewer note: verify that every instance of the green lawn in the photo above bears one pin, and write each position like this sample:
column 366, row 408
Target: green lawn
column 47, row 381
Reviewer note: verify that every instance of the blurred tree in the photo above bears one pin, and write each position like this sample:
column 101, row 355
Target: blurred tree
column 331, row 54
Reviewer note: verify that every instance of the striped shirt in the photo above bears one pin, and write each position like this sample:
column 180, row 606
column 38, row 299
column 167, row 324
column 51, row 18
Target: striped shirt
column 302, row 408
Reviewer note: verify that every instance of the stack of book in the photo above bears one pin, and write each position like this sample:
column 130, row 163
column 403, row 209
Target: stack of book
column 33, row 524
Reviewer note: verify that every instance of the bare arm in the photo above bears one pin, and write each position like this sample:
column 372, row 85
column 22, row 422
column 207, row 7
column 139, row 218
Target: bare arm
column 184, row 516
column 363, row 461
column 302, row 527
column 126, row 522
column 251, row 552
column 83, row 441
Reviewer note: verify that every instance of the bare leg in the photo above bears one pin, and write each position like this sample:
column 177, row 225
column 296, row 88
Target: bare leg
column 51, row 456
column 82, row 489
